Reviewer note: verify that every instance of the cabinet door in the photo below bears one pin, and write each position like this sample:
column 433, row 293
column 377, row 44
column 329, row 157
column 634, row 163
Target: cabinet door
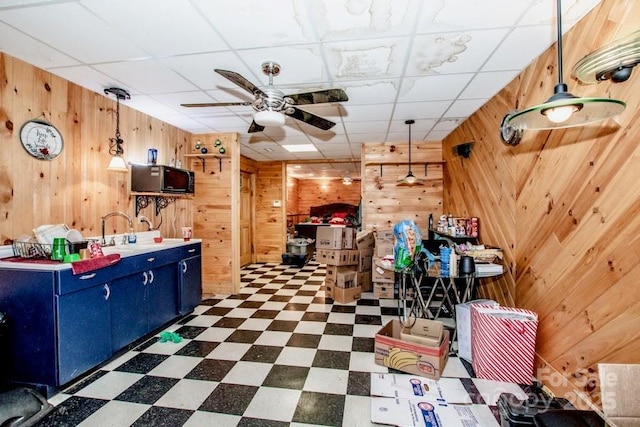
column 28, row 347
column 190, row 274
column 128, row 309
column 84, row 333
column 162, row 295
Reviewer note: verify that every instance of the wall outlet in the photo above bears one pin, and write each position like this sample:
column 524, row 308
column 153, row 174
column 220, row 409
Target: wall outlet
column 276, row 203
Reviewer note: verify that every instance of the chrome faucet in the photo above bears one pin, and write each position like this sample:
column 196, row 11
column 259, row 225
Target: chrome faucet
column 144, row 219
column 103, row 242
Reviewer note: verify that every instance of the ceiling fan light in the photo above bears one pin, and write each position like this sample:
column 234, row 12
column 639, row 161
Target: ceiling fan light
column 269, row 118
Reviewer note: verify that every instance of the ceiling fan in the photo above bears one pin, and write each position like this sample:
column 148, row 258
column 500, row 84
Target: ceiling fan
column 272, row 104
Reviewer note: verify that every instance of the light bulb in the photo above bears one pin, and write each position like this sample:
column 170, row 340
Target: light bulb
column 560, row 114
column 410, row 179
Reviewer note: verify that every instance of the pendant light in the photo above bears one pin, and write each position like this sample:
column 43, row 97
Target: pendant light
column 563, row 109
column 117, row 163
column 410, row 179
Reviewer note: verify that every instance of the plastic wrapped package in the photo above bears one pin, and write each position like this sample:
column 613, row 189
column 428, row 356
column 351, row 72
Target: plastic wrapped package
column 407, row 243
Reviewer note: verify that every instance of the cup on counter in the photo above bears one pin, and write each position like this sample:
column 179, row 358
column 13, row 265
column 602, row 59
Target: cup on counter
column 85, row 254
column 59, row 250
column 71, row 258
column 186, row 233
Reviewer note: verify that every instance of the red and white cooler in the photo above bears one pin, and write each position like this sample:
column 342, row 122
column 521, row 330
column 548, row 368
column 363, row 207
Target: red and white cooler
column 503, row 343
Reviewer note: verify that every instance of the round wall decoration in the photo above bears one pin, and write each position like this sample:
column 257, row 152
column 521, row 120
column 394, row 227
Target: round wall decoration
column 41, row 139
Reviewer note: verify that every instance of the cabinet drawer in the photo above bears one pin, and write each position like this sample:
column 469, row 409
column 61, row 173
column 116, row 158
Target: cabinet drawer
column 189, row 251
column 155, row 259
column 67, row 282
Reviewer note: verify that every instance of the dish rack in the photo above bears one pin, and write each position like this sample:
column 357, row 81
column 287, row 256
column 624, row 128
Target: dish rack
column 32, row 250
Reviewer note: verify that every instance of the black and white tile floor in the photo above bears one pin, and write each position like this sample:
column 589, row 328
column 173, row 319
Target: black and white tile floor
column 277, row 354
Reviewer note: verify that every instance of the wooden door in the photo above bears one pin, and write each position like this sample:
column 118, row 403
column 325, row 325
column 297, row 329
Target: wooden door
column 246, row 219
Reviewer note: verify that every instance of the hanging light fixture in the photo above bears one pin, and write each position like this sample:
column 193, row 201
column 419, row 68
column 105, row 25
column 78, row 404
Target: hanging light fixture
column 410, row 179
column 117, row 164
column 563, row 109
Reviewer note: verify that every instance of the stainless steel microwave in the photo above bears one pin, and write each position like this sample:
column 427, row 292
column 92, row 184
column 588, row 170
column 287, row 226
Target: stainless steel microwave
column 161, row 179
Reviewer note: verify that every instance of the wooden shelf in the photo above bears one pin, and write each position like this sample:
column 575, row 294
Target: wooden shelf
column 203, row 157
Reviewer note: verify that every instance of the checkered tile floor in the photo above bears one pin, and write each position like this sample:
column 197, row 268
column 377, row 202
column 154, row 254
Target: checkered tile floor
column 277, row 354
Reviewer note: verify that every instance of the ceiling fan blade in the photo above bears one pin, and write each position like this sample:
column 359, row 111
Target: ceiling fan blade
column 241, row 81
column 312, row 119
column 319, row 97
column 255, row 127
column 216, row 104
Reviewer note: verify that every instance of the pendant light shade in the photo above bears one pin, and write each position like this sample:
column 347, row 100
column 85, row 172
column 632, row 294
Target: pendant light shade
column 117, row 163
column 410, row 179
column 563, row 109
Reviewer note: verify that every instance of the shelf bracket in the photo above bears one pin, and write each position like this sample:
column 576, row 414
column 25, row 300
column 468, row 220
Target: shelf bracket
column 203, row 163
column 160, row 202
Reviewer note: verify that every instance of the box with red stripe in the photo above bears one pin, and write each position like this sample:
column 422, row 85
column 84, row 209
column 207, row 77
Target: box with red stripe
column 503, row 343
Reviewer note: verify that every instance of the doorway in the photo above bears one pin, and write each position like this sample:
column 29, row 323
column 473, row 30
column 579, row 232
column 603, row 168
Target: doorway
column 246, row 218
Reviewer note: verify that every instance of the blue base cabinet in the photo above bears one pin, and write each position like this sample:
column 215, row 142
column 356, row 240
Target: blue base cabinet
column 84, row 338
column 61, row 325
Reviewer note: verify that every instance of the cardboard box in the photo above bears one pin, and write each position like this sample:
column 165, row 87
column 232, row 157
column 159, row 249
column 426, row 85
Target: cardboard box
column 384, row 243
column 341, row 277
column 619, row 391
column 365, row 240
column 342, row 295
column 423, row 331
column 463, row 326
column 379, row 274
column 383, row 290
column 365, row 260
column 337, row 257
column 426, row 413
column 335, row 237
column 424, row 360
column 364, row 281
column 405, row 386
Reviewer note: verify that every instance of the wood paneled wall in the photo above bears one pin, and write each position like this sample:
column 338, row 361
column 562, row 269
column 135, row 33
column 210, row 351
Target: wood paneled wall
column 270, row 236
column 564, row 206
column 214, row 203
column 315, row 192
column 75, row 188
column 383, row 203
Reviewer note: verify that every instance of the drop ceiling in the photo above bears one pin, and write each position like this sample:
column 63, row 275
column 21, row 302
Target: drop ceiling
column 434, row 61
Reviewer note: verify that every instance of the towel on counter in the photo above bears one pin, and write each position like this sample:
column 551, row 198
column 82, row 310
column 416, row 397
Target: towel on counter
column 79, row 267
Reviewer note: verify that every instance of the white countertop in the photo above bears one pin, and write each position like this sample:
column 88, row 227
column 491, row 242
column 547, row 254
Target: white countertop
column 144, row 244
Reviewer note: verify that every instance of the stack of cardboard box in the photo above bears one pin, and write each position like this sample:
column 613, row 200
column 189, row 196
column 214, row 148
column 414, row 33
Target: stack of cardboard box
column 335, row 247
column 365, row 243
column 383, row 278
column 348, row 267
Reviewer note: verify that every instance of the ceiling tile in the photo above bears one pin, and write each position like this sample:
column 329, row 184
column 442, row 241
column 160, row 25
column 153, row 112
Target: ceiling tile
column 434, row 61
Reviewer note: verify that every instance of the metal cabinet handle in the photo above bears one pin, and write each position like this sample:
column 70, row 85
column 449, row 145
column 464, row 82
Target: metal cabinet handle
column 87, row 276
column 145, row 278
column 107, row 292
column 191, row 251
column 184, row 267
column 150, row 276
column 151, row 259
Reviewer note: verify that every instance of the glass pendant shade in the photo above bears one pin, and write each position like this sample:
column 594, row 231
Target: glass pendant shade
column 117, row 164
column 564, row 110
column 410, row 179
